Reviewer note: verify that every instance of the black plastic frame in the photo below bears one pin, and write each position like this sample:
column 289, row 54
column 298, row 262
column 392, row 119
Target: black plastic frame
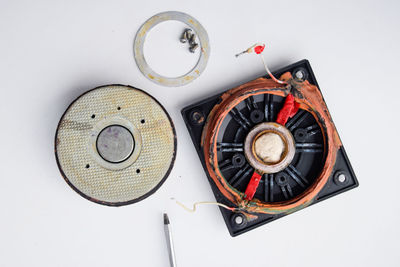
column 331, row 188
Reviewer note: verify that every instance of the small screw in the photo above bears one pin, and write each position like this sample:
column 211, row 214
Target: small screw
column 193, row 47
column 192, row 39
column 183, row 37
column 189, row 35
column 186, row 35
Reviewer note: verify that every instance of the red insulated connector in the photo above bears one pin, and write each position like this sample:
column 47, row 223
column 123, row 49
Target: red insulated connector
column 259, row 48
column 288, row 110
column 252, row 186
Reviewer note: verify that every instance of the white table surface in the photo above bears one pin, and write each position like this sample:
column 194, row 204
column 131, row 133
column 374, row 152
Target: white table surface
column 53, row 51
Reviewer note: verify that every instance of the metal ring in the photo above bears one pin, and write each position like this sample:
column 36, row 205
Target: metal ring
column 287, row 138
column 151, row 74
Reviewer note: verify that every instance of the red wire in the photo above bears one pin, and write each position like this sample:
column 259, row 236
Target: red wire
column 289, row 109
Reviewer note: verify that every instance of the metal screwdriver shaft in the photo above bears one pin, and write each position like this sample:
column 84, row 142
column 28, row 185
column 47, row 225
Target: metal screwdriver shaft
column 170, row 244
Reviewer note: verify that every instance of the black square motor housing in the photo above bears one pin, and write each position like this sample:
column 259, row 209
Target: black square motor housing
column 341, row 179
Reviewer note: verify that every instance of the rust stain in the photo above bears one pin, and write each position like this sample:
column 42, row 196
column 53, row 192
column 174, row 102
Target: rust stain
column 310, row 99
column 194, row 23
column 159, row 127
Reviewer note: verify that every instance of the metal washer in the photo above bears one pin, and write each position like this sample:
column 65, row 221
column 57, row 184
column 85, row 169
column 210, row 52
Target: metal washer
column 150, row 73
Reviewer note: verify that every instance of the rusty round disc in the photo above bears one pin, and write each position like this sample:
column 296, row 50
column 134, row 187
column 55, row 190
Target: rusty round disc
column 115, row 145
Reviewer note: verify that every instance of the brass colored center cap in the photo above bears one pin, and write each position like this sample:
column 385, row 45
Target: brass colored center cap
column 269, row 147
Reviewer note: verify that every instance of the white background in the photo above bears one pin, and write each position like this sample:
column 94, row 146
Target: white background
column 53, row 51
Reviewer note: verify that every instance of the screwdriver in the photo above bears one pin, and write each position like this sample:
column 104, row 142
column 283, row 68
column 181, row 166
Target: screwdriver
column 170, row 244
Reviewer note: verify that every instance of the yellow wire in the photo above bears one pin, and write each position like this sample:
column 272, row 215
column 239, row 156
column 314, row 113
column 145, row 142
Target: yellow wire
column 202, row 203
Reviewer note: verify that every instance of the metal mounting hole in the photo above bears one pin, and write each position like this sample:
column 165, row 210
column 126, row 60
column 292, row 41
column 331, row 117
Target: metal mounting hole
column 142, row 121
column 197, row 117
column 300, row 74
column 87, row 166
column 93, row 116
column 137, row 170
column 342, row 178
column 238, row 220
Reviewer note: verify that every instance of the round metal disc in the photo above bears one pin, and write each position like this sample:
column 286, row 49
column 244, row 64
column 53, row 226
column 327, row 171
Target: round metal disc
column 115, row 145
column 141, row 37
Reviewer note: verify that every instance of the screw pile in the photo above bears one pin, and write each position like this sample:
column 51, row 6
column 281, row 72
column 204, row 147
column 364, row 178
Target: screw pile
column 189, row 36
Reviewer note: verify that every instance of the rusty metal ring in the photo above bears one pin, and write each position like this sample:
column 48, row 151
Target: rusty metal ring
column 309, row 97
column 286, row 137
column 150, row 73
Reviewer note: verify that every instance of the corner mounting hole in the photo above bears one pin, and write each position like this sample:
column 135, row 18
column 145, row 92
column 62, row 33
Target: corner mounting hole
column 238, row 220
column 93, row 116
column 119, row 108
column 137, row 170
column 300, row 75
column 282, row 179
column 342, row 178
column 165, row 54
column 196, row 116
column 87, row 166
column 142, row 121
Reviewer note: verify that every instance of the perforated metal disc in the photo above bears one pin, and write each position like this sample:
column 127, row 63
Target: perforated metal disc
column 115, row 145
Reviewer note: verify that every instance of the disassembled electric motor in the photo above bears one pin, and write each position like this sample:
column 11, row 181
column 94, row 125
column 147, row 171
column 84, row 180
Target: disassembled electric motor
column 254, row 189
column 269, row 147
